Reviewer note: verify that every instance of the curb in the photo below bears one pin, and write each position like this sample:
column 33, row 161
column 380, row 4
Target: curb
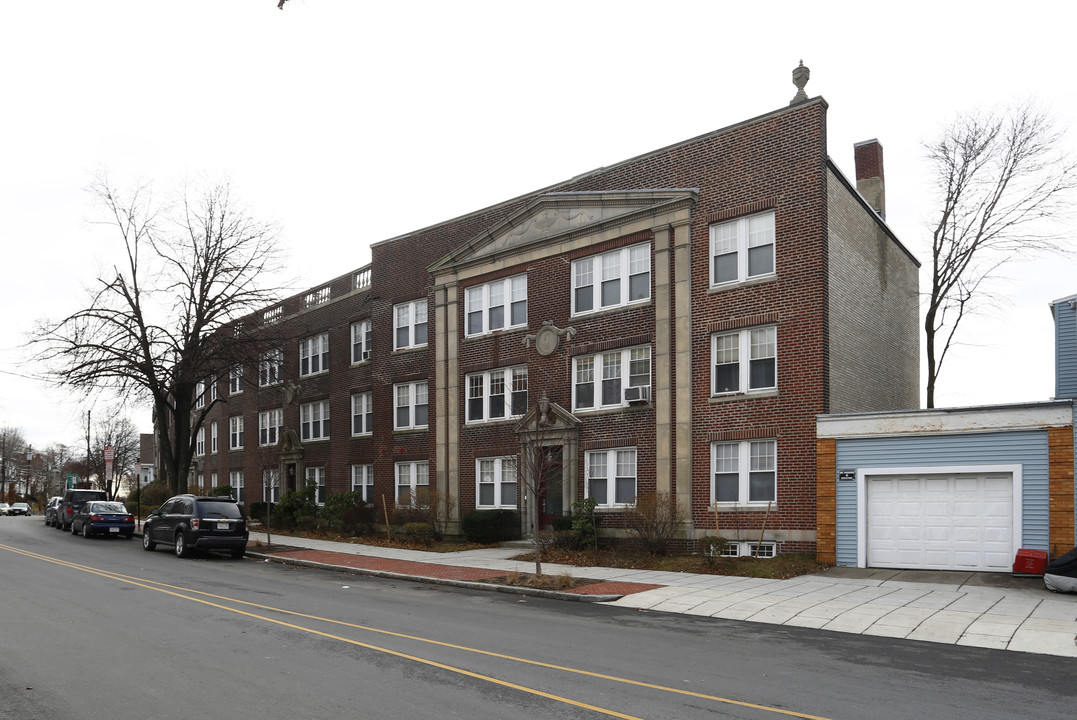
column 490, row 587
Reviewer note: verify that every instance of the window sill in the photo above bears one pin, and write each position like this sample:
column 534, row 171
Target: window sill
column 492, row 421
column 422, row 428
column 725, row 287
column 310, row 375
column 729, row 397
column 751, row 507
column 613, row 409
column 586, row 315
column 494, row 333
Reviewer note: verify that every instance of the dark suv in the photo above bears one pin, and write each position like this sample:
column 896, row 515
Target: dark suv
column 73, row 500
column 195, row 522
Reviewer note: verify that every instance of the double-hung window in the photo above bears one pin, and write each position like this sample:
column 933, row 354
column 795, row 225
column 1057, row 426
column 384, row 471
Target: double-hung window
column 271, row 485
column 235, row 480
column 316, row 475
column 744, row 473
column 212, row 388
column 742, row 249
column 235, row 432
column 409, row 324
column 412, row 406
column 314, row 355
column 269, row 426
column 200, row 394
column 413, row 484
column 314, row 420
column 361, row 337
column 495, row 480
column 271, row 368
column 497, row 394
column 497, row 305
column 200, row 442
column 612, row 279
column 363, row 481
column 745, row 360
column 213, row 437
column 611, row 476
column 600, row 381
column 235, row 380
column 363, row 413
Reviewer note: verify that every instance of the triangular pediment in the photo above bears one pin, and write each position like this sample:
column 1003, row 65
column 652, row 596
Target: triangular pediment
column 564, row 215
column 546, row 417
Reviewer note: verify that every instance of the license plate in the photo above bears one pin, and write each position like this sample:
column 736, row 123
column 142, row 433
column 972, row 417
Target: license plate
column 222, row 526
column 113, row 529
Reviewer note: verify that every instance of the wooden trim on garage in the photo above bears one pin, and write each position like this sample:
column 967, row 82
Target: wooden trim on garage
column 1060, row 473
column 826, row 478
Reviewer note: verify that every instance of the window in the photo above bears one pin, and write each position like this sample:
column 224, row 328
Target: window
column 360, row 341
column 611, row 477
column 745, row 360
column 212, row 480
column 744, row 473
column 409, row 322
column 600, row 380
column 316, row 475
column 271, row 486
column 413, row 484
column 213, row 437
column 314, row 420
column 235, row 479
column 271, row 368
column 411, row 406
column 235, row 432
column 363, row 481
column 199, row 394
column 497, row 305
column 363, row 413
column 212, row 388
column 495, row 482
column 269, row 426
column 612, row 279
column 200, row 441
column 314, row 355
column 742, row 249
column 497, row 394
column 235, row 380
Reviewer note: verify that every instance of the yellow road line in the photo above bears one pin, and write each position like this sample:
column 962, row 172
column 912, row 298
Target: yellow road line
column 587, row 673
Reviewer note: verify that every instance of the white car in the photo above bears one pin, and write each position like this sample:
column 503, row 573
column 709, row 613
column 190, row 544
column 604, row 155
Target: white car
column 4, row 508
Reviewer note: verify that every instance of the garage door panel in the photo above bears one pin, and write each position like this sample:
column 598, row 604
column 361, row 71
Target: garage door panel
column 960, row 521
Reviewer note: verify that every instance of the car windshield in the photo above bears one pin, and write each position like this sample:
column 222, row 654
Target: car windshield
column 218, row 509
column 108, row 507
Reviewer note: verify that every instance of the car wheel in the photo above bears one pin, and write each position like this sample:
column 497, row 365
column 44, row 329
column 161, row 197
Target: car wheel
column 85, row 531
column 147, row 543
column 73, row 530
column 239, row 553
column 181, row 545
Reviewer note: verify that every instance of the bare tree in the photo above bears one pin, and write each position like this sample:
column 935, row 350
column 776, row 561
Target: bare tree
column 538, row 466
column 168, row 317
column 12, row 457
column 115, row 431
column 1005, row 184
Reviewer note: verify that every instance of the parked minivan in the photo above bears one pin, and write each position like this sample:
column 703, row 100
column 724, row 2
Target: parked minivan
column 73, row 500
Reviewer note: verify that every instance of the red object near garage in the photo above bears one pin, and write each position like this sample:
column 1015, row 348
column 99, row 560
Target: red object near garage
column 1030, row 562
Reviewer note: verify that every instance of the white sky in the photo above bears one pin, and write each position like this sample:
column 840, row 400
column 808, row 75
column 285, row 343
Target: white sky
column 351, row 122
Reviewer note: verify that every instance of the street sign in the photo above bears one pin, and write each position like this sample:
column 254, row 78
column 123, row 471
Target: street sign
column 71, row 480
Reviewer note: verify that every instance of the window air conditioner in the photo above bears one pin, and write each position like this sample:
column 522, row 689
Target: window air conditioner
column 366, row 354
column 638, row 394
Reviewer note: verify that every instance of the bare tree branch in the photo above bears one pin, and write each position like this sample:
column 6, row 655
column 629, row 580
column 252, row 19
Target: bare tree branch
column 1006, row 188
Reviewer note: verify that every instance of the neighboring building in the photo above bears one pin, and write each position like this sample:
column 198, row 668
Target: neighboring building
column 954, row 488
column 679, row 319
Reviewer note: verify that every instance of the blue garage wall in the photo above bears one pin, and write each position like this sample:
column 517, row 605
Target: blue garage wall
column 1025, row 448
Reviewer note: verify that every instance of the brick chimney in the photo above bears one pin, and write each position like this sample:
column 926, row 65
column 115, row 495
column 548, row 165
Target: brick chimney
column 868, row 156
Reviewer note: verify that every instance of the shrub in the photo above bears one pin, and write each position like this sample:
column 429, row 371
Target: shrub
column 336, row 505
column 294, row 506
column 359, row 519
column 419, row 532
column 585, row 522
column 153, row 496
column 222, row 490
column 430, row 513
column 488, row 526
column 655, row 519
column 257, row 511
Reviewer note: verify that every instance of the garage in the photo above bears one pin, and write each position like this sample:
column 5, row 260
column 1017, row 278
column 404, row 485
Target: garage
column 941, row 521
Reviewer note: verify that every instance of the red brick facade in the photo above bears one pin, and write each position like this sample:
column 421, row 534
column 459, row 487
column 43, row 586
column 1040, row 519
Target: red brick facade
column 777, row 162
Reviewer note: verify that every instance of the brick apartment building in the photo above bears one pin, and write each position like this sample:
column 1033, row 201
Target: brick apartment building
column 677, row 320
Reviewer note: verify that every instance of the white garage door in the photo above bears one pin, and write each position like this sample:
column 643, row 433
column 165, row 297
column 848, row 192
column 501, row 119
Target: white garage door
column 940, row 522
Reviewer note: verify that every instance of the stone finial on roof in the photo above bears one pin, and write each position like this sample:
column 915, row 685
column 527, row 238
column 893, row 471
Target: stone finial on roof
column 800, row 79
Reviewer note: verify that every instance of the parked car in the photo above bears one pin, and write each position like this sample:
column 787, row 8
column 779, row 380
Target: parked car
column 50, row 509
column 193, row 522
column 73, row 500
column 103, row 517
column 20, row 509
column 4, row 508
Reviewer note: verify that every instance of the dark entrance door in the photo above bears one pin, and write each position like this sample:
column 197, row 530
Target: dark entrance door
column 551, row 489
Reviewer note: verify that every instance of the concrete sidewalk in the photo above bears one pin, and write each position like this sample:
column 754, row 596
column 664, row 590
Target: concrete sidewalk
column 977, row 609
